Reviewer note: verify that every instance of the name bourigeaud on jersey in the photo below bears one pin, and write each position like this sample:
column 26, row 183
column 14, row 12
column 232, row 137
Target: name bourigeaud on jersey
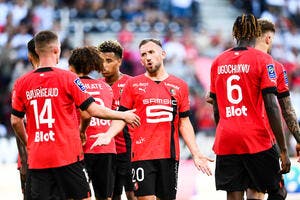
column 41, row 92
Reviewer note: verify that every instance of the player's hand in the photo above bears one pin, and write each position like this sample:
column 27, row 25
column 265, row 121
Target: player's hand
column 83, row 138
column 201, row 162
column 208, row 99
column 298, row 151
column 101, row 139
column 285, row 163
column 131, row 118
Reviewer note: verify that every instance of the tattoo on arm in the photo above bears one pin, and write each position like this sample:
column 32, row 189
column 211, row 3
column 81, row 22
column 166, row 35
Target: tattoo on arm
column 290, row 117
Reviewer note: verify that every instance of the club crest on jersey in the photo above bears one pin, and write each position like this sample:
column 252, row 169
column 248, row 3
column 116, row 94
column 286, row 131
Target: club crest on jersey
column 271, row 71
column 79, row 84
column 286, row 79
column 172, row 91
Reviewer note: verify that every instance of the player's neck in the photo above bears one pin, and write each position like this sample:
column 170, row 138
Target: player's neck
column 157, row 76
column 246, row 43
column 261, row 47
column 47, row 62
column 112, row 79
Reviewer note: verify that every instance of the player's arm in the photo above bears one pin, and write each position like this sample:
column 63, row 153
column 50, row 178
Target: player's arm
column 213, row 100
column 103, row 112
column 289, row 115
column 273, row 114
column 188, row 135
column 23, row 157
column 18, row 126
column 116, row 127
column 85, row 119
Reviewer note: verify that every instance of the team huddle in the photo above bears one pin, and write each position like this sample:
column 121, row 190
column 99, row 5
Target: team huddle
column 122, row 133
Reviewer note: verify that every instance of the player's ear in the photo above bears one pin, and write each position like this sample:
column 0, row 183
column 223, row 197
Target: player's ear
column 29, row 56
column 268, row 39
column 72, row 68
column 55, row 50
column 164, row 54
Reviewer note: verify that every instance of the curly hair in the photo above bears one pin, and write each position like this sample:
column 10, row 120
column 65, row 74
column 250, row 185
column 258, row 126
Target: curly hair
column 246, row 28
column 86, row 59
column 111, row 46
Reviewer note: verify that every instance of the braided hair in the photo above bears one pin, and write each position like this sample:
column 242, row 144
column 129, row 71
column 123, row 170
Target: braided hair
column 246, row 29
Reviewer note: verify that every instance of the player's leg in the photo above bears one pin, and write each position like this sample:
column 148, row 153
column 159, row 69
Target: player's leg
column 101, row 170
column 254, row 195
column 263, row 168
column 279, row 194
column 128, row 184
column 167, row 176
column 144, row 179
column 231, row 176
column 73, row 180
column 119, row 179
column 236, row 195
column 43, row 184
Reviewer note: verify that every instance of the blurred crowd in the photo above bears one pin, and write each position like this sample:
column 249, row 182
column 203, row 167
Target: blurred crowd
column 190, row 47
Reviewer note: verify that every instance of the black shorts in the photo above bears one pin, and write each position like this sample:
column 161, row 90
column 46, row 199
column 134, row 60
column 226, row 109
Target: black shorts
column 258, row 171
column 156, row 177
column 101, row 171
column 123, row 174
column 70, row 182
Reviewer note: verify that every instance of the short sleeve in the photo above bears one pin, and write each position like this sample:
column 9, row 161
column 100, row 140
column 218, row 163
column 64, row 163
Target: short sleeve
column 212, row 79
column 18, row 107
column 268, row 75
column 185, row 101
column 282, row 80
column 78, row 91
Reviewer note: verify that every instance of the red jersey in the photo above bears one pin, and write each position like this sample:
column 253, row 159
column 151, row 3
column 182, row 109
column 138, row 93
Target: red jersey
column 48, row 97
column 239, row 76
column 282, row 80
column 159, row 106
column 103, row 95
column 122, row 138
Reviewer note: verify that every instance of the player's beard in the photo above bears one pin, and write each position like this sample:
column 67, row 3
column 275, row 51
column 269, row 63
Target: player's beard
column 153, row 69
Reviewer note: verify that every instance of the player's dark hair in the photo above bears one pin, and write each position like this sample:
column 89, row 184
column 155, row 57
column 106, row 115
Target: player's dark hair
column 266, row 25
column 86, row 59
column 145, row 41
column 111, row 46
column 31, row 49
column 246, row 28
column 42, row 40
